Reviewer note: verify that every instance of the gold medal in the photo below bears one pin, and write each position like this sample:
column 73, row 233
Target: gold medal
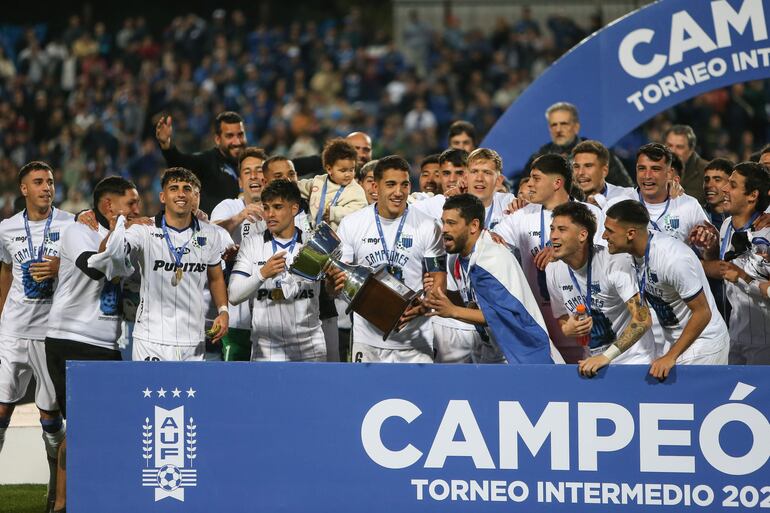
column 177, row 277
column 277, row 294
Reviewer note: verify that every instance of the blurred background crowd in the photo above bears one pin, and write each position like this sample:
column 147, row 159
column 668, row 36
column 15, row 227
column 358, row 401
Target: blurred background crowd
column 84, row 94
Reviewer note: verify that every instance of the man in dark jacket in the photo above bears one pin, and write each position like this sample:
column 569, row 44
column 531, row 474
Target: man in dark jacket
column 564, row 126
column 217, row 167
column 681, row 140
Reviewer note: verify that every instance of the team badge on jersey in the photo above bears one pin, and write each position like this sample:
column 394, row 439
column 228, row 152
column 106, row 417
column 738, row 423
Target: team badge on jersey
column 169, row 446
column 53, row 237
column 406, row 242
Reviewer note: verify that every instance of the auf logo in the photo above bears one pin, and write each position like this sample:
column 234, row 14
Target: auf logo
column 167, row 444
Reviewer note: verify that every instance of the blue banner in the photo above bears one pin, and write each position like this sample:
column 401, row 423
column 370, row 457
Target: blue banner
column 163, row 437
column 638, row 66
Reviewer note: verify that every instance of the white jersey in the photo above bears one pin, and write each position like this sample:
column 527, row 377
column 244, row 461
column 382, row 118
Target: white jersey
column 612, row 194
column 85, row 306
column 168, row 314
column 420, row 237
column 286, row 327
column 25, row 314
column 673, row 275
column 432, row 206
column 675, row 216
column 522, row 231
column 750, row 315
column 612, row 286
column 239, row 315
column 228, row 208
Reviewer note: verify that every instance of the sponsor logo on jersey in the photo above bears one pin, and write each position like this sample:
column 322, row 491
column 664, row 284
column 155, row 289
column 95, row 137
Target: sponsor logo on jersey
column 187, row 267
column 169, row 446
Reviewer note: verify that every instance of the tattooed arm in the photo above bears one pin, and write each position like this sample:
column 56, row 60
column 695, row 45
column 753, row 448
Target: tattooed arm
column 641, row 321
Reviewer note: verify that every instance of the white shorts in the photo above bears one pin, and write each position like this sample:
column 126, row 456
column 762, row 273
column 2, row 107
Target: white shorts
column 20, row 359
column 453, row 345
column 365, row 353
column 147, row 351
column 332, row 338
column 694, row 357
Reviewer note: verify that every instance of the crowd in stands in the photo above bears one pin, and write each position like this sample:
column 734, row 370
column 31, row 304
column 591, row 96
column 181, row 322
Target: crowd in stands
column 85, row 97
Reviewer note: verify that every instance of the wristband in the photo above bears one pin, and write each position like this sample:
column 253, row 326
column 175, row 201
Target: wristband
column 612, row 352
column 222, row 309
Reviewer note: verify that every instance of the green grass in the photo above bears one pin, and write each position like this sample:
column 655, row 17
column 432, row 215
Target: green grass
column 22, row 498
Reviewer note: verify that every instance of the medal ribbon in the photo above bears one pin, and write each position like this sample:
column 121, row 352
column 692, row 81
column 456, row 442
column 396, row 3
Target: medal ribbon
column 177, row 253
column 39, row 256
column 642, row 281
column 729, row 235
column 389, row 255
column 665, row 209
column 587, row 297
column 320, row 213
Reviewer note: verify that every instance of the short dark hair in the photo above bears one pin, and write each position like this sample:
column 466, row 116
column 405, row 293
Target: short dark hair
column 685, row 130
column 677, row 165
column 282, row 189
column 456, row 156
column 338, row 149
column 629, row 212
column 470, row 207
column 595, row 148
column 179, row 174
column 362, row 171
column 555, row 164
column 228, row 117
column 390, row 162
column 757, row 179
column 251, row 152
column 430, row 159
column 35, row 165
column 765, row 149
column 462, row 127
column 580, row 215
column 656, row 152
column 275, row 158
column 111, row 185
column 719, row 164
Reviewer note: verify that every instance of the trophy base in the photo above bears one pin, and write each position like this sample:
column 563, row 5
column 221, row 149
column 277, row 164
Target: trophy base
column 382, row 301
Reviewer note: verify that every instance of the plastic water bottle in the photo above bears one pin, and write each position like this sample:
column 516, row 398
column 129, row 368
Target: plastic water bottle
column 582, row 314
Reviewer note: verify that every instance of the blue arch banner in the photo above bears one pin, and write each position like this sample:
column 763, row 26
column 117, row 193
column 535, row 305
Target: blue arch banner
column 638, row 66
column 241, row 437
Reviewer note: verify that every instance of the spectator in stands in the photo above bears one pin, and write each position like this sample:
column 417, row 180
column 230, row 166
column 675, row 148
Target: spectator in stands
column 462, row 135
column 681, row 140
column 216, row 167
column 564, row 127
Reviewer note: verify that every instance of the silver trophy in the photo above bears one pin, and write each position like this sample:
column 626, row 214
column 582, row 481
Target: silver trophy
column 374, row 294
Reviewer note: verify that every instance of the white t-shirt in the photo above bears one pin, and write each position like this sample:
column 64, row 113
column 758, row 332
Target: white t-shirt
column 228, row 208
column 750, row 315
column 239, row 315
column 676, row 217
column 612, row 286
column 613, row 194
column 420, row 237
column 25, row 314
column 281, row 329
column 84, row 309
column 168, row 314
column 432, row 206
column 521, row 230
column 673, row 275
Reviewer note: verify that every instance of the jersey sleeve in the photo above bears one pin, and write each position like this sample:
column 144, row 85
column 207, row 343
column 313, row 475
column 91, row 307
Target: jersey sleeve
column 683, row 267
column 621, row 274
column 434, row 244
column 347, row 238
column 221, row 212
column 554, row 290
column 135, row 237
column 244, row 261
column 507, row 230
column 218, row 245
column 5, row 256
column 696, row 215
